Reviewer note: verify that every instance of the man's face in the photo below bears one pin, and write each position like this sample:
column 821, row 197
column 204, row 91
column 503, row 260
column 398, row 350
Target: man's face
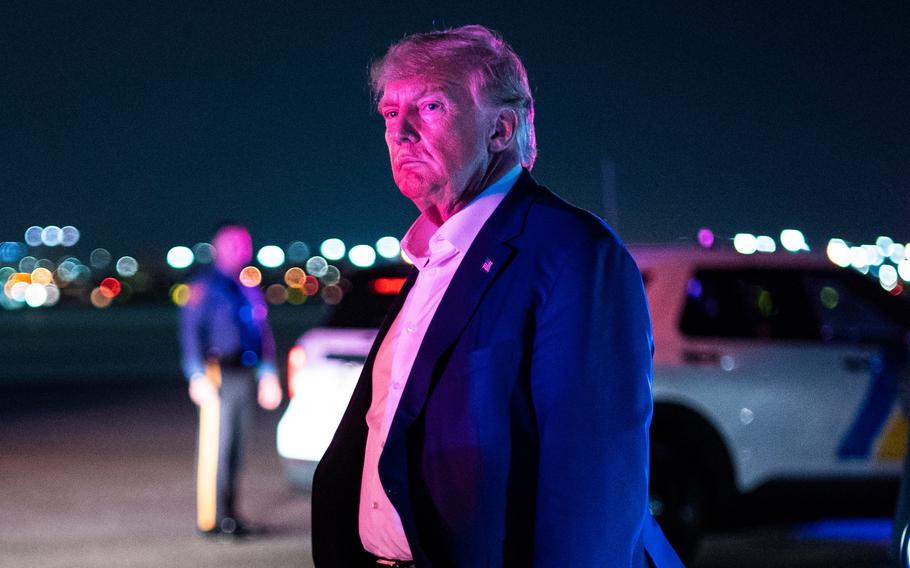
column 437, row 138
column 233, row 249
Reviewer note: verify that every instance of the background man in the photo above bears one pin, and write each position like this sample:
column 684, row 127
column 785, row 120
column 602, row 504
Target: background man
column 227, row 347
column 502, row 415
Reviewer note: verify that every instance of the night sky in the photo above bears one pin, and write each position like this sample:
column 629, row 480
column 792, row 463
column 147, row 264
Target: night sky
column 144, row 126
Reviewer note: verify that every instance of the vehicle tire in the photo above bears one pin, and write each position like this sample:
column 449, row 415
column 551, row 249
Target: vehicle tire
column 678, row 497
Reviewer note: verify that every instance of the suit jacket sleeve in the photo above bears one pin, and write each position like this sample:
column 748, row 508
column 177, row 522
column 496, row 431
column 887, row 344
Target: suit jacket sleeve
column 591, row 388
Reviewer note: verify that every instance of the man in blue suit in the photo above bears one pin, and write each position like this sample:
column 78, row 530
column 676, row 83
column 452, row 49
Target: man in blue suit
column 502, row 415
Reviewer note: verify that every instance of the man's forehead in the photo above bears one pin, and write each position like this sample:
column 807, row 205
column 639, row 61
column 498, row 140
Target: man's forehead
column 418, row 86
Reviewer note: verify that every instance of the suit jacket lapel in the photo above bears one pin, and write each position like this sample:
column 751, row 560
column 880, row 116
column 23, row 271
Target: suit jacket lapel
column 488, row 254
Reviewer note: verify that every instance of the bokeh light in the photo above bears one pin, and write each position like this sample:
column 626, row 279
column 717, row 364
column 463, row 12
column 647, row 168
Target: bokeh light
column 298, row 251
column 270, row 256
column 180, row 294
column 250, row 277
column 829, row 297
column 110, row 287
column 332, row 249
column 793, row 240
column 388, row 247
column 706, row 237
column 180, row 257
column 276, row 294
column 35, row 295
column 296, row 296
column 406, row 258
column 332, row 294
column 294, row 277
column 765, row 244
column 204, row 253
column 69, row 236
column 884, row 245
column 33, row 236
column 98, row 299
column 42, row 276
column 51, row 235
column 66, row 272
column 745, row 243
column 317, row 266
column 99, row 258
column 310, row 286
column 53, row 295
column 887, row 277
column 903, row 268
column 12, row 251
column 127, row 266
column 362, row 256
column 859, row 258
column 28, row 264
column 838, row 252
column 332, row 275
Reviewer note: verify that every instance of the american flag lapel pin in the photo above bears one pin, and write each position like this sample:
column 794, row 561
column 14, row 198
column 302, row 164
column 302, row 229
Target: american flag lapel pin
column 487, row 265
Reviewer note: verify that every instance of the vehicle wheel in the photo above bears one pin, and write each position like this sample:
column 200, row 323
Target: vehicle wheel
column 677, row 498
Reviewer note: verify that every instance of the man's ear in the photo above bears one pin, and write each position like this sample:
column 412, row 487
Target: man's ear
column 503, row 130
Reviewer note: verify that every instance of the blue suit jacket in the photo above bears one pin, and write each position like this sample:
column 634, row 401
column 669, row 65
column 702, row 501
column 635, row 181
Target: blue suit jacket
column 521, row 438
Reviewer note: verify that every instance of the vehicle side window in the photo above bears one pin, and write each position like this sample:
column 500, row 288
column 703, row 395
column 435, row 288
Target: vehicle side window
column 748, row 303
column 851, row 307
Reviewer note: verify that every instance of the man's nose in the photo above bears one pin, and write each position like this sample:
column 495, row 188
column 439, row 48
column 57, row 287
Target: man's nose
column 403, row 130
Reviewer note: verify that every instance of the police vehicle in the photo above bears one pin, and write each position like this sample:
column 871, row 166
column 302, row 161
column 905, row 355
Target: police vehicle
column 774, row 386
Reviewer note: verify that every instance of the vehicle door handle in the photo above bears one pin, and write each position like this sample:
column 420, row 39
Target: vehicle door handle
column 857, row 363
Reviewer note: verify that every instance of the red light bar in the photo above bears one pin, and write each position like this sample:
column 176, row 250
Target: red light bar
column 387, row 286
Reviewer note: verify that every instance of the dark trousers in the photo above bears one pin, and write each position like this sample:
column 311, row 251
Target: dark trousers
column 221, row 426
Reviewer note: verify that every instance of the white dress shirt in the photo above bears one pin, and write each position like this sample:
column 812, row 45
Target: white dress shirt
column 437, row 252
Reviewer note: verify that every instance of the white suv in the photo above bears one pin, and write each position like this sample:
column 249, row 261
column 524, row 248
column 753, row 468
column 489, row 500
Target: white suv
column 771, row 386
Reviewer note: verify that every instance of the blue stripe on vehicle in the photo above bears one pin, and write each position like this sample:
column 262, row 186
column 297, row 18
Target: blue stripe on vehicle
column 874, row 412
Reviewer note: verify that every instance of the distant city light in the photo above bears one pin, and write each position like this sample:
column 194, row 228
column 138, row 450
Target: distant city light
column 332, row 294
column 204, row 253
column 362, row 256
column 874, row 255
column 793, row 240
column 332, row 276
column 180, row 257
column 885, row 245
column 51, row 235
column 388, row 247
column 298, row 251
column 898, row 253
column 706, row 237
column 99, row 258
column 110, row 287
column 838, row 252
column 127, row 266
column 887, row 277
column 276, row 294
column 33, row 236
column 765, row 244
column 859, row 258
column 745, row 243
column 53, row 295
column 317, row 266
column 294, row 277
column 250, row 277
column 69, row 236
column 903, row 268
column 28, row 264
column 180, row 294
column 270, row 256
column 12, row 251
column 42, row 276
column 98, row 299
column 35, row 295
column 332, row 249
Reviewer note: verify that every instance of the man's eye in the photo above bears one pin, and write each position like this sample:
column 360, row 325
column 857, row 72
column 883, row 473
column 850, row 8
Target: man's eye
column 432, row 107
column 390, row 114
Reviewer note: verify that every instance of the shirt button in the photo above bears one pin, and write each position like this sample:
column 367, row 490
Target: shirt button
column 374, row 505
column 410, row 329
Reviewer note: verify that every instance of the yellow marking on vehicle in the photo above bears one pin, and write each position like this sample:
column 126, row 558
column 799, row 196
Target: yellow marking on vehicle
column 892, row 442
